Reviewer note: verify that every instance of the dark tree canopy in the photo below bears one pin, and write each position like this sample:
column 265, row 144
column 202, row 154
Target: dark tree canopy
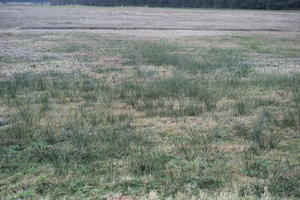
column 31, row 1
column 245, row 4
column 250, row 4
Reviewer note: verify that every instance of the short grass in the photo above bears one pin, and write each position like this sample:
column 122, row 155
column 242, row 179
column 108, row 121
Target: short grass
column 148, row 119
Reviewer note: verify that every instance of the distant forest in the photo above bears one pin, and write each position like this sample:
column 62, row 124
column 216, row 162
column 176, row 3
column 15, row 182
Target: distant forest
column 245, row 4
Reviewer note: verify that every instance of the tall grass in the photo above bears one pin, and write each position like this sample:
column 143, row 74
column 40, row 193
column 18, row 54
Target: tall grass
column 70, row 135
column 261, row 136
column 90, row 133
column 165, row 54
column 157, row 97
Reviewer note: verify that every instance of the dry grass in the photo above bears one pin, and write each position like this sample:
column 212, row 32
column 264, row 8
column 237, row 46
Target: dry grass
column 97, row 116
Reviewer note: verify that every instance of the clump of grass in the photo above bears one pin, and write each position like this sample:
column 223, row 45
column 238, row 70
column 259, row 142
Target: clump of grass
column 241, row 108
column 45, row 102
column 284, row 181
column 291, row 117
column 194, row 144
column 145, row 162
column 253, row 165
column 242, row 129
column 256, row 189
column 280, row 180
column 154, row 96
column 23, row 128
column 261, row 136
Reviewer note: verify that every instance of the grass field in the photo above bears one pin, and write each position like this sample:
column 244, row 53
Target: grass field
column 135, row 114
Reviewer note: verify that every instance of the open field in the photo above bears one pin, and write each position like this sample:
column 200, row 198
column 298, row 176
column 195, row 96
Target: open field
column 162, row 22
column 149, row 103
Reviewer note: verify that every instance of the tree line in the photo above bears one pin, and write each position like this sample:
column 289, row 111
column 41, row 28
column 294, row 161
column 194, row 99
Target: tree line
column 31, row 1
column 248, row 4
column 245, row 4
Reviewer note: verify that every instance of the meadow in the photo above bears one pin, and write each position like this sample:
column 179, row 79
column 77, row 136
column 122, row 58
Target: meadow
column 88, row 115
